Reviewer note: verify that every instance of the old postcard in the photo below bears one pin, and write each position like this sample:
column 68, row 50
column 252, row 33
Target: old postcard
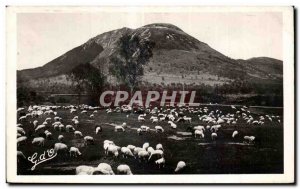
column 186, row 95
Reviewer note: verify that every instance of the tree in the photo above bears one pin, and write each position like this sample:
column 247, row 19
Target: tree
column 127, row 63
column 87, row 78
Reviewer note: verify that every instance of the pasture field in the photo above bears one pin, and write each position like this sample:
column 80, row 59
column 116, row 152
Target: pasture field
column 203, row 156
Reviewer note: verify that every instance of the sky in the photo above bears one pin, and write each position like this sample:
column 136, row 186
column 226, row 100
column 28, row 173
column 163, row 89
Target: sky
column 42, row 37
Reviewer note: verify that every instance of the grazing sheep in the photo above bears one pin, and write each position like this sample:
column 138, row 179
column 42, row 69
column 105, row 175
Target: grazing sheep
column 214, row 136
column 113, row 149
column 74, row 152
column 146, row 145
column 156, row 154
column 39, row 141
column 48, row 134
column 124, row 170
column 131, row 147
column 159, row 129
column 141, row 118
column 145, row 128
column 21, row 130
column 160, row 162
column 188, row 119
column 40, row 127
column 70, row 128
column 180, row 166
column 105, row 169
column 84, row 169
column 199, row 133
column 35, row 123
column 98, row 129
column 234, row 134
column 136, row 150
column 143, row 155
column 61, row 148
column 139, row 131
column 60, row 138
column 159, row 147
column 119, row 128
column 126, row 152
column 150, row 150
column 92, row 116
column 199, row 127
column 78, row 134
column 21, row 140
column 249, row 139
column 173, row 125
column 88, row 140
column 61, row 127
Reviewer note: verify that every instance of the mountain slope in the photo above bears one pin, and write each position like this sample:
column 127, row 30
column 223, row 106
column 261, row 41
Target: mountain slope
column 177, row 58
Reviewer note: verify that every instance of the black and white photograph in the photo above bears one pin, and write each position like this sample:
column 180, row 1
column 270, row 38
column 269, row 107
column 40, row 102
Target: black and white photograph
column 177, row 94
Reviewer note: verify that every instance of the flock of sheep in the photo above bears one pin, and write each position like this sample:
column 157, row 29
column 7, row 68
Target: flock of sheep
column 53, row 122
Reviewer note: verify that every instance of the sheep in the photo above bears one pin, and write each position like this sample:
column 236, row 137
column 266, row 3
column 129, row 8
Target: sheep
column 84, row 169
column 60, row 138
column 126, row 152
column 156, row 154
column 199, row 133
column 119, row 128
column 145, row 128
column 113, row 149
column 215, row 128
column 39, row 141
column 159, row 147
column 188, row 119
column 22, row 118
column 249, row 139
column 214, row 136
column 104, row 169
column 78, row 134
column 136, row 150
column 234, row 134
column 131, row 147
column 48, row 134
column 61, row 127
column 143, row 155
column 69, row 128
column 200, row 128
column 180, row 166
column 40, row 127
column 150, row 150
column 74, row 152
column 98, row 129
column 173, row 125
column 61, row 148
column 160, row 162
column 21, row 140
column 88, row 140
column 35, row 123
column 21, row 130
column 141, row 118
column 83, row 112
column 92, row 116
column 124, row 170
column 139, row 131
column 146, row 145
column 159, row 129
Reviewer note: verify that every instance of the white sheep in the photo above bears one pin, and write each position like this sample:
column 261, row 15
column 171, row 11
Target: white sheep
column 139, row 131
column 69, row 128
column 214, row 136
column 131, row 147
column 21, row 140
column 234, row 134
column 113, row 149
column 40, row 127
column 98, row 129
column 159, row 147
column 159, row 129
column 60, row 138
column 199, row 133
column 156, row 154
column 35, row 123
column 173, row 125
column 21, row 130
column 84, row 169
column 39, row 141
column 136, row 150
column 143, row 155
column 61, row 148
column 48, row 134
column 160, row 162
column 126, row 152
column 104, row 168
column 78, row 134
column 119, row 128
column 249, row 139
column 88, row 140
column 180, row 166
column 124, row 170
column 74, row 152
column 146, row 145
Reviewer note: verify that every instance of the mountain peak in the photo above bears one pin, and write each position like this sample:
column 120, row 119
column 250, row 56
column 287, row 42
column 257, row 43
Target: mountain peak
column 163, row 25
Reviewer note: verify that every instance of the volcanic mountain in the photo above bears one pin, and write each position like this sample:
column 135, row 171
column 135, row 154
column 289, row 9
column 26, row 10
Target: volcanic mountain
column 177, row 58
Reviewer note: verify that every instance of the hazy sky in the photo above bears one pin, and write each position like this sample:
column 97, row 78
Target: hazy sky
column 45, row 36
